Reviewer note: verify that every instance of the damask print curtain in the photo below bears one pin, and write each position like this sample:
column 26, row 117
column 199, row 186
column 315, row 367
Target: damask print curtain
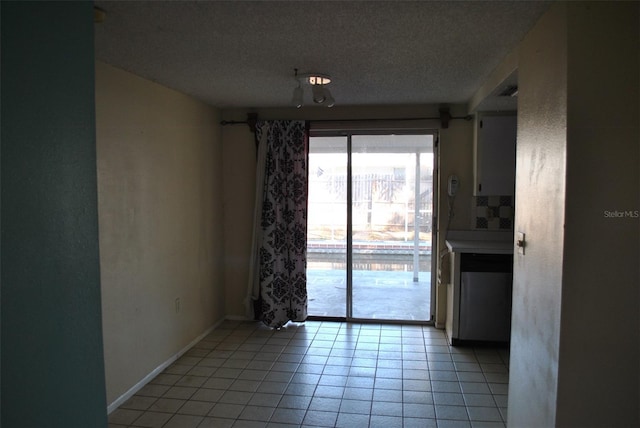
column 278, row 278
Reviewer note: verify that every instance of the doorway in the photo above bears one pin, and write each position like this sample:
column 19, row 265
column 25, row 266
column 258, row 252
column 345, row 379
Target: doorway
column 369, row 238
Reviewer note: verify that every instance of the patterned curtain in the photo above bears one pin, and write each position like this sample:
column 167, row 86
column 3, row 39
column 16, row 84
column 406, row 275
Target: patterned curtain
column 278, row 286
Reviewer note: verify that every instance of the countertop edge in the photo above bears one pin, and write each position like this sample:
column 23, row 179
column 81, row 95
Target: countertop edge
column 479, row 246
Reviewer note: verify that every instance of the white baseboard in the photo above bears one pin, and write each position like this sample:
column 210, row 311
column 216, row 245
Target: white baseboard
column 155, row 372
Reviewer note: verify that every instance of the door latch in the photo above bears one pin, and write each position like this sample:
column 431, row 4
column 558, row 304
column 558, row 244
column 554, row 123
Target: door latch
column 521, row 243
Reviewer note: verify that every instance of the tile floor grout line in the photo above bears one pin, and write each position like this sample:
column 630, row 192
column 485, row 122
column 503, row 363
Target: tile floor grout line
column 231, row 340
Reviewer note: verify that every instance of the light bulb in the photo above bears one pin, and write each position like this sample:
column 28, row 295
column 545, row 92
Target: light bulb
column 318, row 94
column 297, row 99
column 329, row 101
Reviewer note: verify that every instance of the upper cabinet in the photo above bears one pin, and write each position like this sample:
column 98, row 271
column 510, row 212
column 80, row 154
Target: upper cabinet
column 495, row 155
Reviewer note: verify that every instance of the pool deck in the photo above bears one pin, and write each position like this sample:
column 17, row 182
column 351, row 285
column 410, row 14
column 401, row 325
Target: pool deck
column 379, row 295
column 383, row 285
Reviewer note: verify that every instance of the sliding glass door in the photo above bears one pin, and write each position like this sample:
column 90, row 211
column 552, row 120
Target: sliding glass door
column 369, row 234
column 327, row 271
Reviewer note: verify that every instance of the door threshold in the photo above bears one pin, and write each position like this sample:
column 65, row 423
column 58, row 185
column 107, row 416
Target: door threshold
column 371, row 321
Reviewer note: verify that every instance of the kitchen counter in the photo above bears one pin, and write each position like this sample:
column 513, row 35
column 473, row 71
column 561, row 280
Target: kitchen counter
column 478, row 301
column 479, row 246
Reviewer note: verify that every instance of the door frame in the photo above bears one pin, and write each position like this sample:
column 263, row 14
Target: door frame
column 347, row 130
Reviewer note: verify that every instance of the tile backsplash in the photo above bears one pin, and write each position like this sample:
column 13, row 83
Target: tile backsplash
column 492, row 212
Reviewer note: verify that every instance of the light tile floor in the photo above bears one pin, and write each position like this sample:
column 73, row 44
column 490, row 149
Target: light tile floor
column 324, row 374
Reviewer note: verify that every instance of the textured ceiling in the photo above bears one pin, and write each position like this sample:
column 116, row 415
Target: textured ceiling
column 243, row 53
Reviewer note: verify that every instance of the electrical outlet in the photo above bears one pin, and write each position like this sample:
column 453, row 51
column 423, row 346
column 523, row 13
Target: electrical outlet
column 177, row 302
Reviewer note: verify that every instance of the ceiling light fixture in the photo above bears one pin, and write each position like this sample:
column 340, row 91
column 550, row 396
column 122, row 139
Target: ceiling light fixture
column 319, row 90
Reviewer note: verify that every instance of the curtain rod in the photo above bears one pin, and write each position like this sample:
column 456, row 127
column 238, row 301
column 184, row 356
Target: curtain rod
column 252, row 119
column 233, row 122
column 444, row 119
column 401, row 119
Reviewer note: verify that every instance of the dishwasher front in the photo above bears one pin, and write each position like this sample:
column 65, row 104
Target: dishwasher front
column 485, row 297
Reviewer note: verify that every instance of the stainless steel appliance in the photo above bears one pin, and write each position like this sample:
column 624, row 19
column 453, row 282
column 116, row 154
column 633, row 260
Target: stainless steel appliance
column 485, row 297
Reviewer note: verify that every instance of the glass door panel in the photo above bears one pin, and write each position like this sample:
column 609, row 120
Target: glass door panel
column 392, row 182
column 327, row 227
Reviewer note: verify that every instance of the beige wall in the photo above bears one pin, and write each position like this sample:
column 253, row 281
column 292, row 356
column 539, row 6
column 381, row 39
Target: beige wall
column 159, row 161
column 600, row 334
column 539, row 212
column 456, row 155
column 574, row 347
column 239, row 169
